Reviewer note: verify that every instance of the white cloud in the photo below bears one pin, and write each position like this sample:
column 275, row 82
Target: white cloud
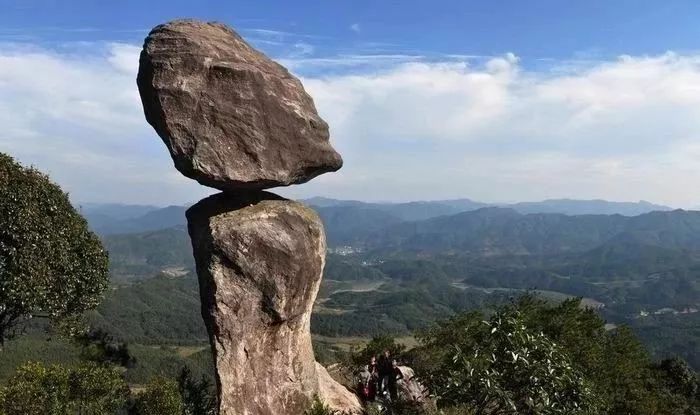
column 408, row 127
column 357, row 63
column 279, row 34
column 124, row 57
column 301, row 49
column 78, row 117
column 624, row 129
column 355, row 27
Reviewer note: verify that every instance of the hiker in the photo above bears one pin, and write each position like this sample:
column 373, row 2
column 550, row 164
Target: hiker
column 393, row 379
column 384, row 370
column 373, row 368
column 365, row 384
column 374, row 372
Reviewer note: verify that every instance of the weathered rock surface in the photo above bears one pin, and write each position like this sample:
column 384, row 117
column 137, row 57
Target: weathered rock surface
column 237, row 121
column 231, row 117
column 259, row 259
column 410, row 390
column 335, row 395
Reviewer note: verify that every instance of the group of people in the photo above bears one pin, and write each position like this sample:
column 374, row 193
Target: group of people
column 379, row 378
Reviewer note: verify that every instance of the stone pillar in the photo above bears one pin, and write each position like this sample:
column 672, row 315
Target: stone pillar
column 235, row 120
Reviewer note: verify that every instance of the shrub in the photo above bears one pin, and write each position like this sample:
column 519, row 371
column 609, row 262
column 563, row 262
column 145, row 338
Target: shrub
column 58, row 390
column 197, row 395
column 500, row 366
column 319, row 408
column 376, row 347
column 161, row 397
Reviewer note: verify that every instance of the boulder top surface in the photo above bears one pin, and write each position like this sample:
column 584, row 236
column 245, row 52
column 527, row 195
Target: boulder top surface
column 231, row 117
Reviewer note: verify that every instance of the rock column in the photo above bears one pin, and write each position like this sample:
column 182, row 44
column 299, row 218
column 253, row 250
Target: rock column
column 237, row 121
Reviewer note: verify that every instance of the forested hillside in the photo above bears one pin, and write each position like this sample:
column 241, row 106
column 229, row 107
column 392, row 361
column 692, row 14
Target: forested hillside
column 388, row 274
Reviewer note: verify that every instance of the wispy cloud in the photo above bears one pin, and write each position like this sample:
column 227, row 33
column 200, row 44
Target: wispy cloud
column 623, row 129
column 302, row 49
column 355, row 27
column 345, row 62
column 409, row 126
column 280, row 34
column 78, row 117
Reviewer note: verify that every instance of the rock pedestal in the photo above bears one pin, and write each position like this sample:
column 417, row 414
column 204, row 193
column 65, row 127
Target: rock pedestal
column 259, row 259
column 237, row 121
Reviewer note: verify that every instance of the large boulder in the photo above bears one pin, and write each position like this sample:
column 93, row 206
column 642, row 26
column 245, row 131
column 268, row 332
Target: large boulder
column 259, row 259
column 231, row 117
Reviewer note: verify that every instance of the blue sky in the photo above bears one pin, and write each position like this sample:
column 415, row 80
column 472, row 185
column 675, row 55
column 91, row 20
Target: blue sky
column 492, row 100
column 531, row 29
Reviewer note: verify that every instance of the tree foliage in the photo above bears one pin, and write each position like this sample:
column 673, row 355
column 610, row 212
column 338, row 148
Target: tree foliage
column 161, row 397
column 532, row 357
column 500, row 366
column 50, row 262
column 197, row 395
column 376, row 348
column 57, row 390
column 99, row 346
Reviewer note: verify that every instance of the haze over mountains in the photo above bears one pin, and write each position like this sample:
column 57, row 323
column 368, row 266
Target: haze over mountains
column 109, row 219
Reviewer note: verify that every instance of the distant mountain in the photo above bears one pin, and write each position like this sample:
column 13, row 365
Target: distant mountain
column 499, row 231
column 588, row 207
column 410, row 211
column 144, row 254
column 115, row 210
column 155, row 310
column 109, row 219
column 159, row 219
column 319, row 201
column 349, row 225
column 503, row 231
column 129, row 219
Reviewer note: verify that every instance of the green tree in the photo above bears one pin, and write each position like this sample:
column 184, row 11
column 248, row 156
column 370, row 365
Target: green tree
column 161, row 397
column 376, row 347
column 99, row 346
column 499, row 366
column 50, row 263
column 614, row 361
column 57, row 390
column 96, row 390
column 36, row 389
column 196, row 395
column 680, row 386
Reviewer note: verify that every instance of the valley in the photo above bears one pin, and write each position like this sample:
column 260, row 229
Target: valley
column 388, row 273
column 393, row 268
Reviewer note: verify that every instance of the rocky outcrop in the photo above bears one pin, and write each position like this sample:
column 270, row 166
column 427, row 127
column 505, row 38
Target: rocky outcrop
column 410, row 390
column 235, row 120
column 231, row 117
column 259, row 259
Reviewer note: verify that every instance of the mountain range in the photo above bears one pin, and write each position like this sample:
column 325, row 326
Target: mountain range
column 107, row 219
column 412, row 263
column 504, row 231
